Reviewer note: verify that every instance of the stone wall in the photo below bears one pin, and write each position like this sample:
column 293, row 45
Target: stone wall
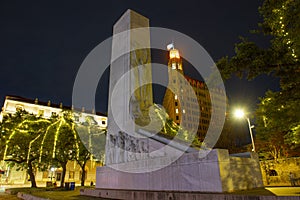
column 239, row 173
column 277, row 173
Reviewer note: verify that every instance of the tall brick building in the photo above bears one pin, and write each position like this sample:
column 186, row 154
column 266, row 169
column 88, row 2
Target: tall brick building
column 192, row 111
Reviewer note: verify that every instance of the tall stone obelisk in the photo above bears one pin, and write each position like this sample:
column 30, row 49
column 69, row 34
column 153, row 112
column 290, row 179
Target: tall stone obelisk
column 130, row 63
column 153, row 166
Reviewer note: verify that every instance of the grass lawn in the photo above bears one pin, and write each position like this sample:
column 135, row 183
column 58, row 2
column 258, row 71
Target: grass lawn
column 4, row 196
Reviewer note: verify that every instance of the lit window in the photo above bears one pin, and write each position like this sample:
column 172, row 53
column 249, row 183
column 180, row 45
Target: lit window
column 71, row 174
column 174, row 53
column 176, row 97
column 173, row 65
column 19, row 107
column 45, row 174
column 41, row 113
column 176, row 110
column 183, row 111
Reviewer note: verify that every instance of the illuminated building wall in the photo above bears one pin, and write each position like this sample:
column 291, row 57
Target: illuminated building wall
column 190, row 114
column 46, row 109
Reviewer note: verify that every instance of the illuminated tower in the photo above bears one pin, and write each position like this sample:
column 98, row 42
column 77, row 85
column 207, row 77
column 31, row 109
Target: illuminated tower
column 190, row 111
column 174, row 95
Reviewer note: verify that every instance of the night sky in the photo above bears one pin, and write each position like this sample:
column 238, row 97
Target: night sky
column 43, row 43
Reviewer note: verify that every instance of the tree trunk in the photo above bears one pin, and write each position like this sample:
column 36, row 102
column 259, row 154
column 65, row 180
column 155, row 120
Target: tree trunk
column 31, row 175
column 83, row 174
column 64, row 167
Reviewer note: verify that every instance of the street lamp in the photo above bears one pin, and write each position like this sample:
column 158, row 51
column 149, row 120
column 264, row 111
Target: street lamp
column 52, row 169
column 239, row 113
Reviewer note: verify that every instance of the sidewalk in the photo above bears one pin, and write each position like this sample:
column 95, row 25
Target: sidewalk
column 285, row 191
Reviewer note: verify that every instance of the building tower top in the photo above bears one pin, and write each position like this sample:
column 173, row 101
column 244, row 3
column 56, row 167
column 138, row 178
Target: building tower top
column 175, row 62
column 173, row 53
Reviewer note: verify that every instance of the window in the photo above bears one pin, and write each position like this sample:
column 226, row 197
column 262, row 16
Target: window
column 173, row 65
column 177, row 117
column 176, row 104
column 19, row 107
column 45, row 174
column 176, row 110
column 71, row 174
column 58, row 176
column 41, row 113
column 103, row 122
column 273, row 172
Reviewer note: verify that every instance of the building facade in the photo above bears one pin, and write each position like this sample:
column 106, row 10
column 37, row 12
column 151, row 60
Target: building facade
column 46, row 109
column 195, row 114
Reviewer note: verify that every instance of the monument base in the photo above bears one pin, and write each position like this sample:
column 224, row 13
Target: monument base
column 217, row 172
column 172, row 195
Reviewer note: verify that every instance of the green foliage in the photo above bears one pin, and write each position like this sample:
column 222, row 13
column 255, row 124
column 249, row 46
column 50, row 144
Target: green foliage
column 293, row 137
column 31, row 142
column 277, row 124
column 21, row 141
column 277, row 115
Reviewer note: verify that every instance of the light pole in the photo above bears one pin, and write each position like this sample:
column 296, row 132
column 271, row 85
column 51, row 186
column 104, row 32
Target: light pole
column 52, row 169
column 239, row 113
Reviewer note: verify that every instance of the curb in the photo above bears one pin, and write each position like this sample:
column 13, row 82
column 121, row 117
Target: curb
column 29, row 196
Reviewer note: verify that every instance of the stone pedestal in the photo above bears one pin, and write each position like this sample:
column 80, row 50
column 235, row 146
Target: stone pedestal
column 217, row 172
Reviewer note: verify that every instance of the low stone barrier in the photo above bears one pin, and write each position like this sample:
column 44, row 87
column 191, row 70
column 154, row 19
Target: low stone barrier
column 12, row 192
column 29, row 196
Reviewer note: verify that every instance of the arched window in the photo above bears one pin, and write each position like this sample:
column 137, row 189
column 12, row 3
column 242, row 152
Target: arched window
column 273, row 172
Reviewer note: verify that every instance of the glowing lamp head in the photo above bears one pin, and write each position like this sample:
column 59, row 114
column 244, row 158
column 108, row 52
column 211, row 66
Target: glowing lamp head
column 239, row 113
column 174, row 53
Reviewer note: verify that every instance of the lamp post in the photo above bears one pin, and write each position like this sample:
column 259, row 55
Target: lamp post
column 239, row 113
column 52, row 169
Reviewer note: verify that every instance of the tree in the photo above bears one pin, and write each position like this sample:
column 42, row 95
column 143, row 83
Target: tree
column 32, row 142
column 276, row 121
column 62, row 143
column 22, row 141
column 83, row 157
column 281, row 59
column 91, row 143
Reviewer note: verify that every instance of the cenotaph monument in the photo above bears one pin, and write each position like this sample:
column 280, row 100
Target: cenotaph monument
column 134, row 167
